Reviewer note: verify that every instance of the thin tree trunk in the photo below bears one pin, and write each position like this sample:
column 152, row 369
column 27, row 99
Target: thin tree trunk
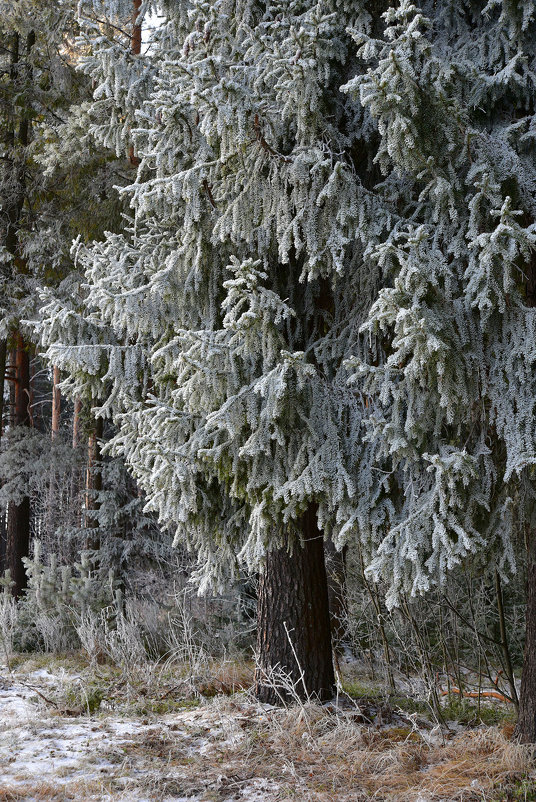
column 374, row 597
column 3, row 355
column 77, row 482
column 18, row 527
column 76, row 422
column 505, row 649
column 93, row 485
column 135, row 49
column 526, row 722
column 56, row 402
column 293, row 627
column 135, row 45
column 56, row 413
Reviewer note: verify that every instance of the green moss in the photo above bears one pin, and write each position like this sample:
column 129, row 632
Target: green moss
column 375, row 694
column 27, row 662
column 360, row 690
column 409, row 705
column 465, row 712
column 86, row 697
column 516, row 789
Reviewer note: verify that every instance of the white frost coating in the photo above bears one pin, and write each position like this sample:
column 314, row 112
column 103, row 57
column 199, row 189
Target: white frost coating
column 280, row 225
column 236, row 288
column 455, row 430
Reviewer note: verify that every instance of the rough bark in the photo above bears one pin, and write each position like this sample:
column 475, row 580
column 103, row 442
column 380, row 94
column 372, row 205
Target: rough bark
column 135, row 45
column 18, row 526
column 55, row 428
column 293, row 627
column 3, row 355
column 76, row 422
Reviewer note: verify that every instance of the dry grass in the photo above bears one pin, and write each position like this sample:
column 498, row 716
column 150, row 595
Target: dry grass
column 43, row 791
column 228, row 744
column 312, row 754
column 328, row 757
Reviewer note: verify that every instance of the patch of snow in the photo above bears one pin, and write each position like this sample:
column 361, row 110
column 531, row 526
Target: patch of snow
column 257, row 790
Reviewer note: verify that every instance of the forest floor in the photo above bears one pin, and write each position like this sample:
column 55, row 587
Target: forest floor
column 73, row 731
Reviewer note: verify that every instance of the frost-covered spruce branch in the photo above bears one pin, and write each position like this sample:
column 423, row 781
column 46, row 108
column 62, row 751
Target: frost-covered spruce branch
column 452, row 89
column 242, row 278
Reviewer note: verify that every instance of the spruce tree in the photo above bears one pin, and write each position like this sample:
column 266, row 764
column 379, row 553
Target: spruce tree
column 220, row 317
column 447, row 356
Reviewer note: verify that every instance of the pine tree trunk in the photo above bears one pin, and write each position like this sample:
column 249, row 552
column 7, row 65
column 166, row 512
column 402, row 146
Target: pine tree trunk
column 18, row 525
column 56, row 413
column 135, row 43
column 76, row 422
column 526, row 722
column 293, row 627
column 76, row 477
column 3, row 355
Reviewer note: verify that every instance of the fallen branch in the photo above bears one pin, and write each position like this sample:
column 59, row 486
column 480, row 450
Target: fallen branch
column 477, row 694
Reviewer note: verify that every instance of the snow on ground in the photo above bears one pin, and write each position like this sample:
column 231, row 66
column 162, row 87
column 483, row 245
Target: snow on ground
column 47, row 754
column 231, row 748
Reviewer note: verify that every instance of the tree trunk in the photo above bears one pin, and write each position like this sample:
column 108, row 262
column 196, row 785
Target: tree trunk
column 18, row 526
column 135, row 49
column 293, row 627
column 76, row 422
column 526, row 722
column 3, row 355
column 93, row 485
column 56, row 402
column 56, row 413
column 135, row 44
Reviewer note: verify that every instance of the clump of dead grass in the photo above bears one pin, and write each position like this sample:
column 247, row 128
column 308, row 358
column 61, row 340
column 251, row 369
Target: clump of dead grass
column 325, row 752
column 46, row 791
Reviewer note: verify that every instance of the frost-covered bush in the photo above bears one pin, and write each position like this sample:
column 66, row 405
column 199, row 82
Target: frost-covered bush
column 57, row 597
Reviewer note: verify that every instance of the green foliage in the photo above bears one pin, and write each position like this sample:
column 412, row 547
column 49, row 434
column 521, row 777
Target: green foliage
column 467, row 712
column 56, row 598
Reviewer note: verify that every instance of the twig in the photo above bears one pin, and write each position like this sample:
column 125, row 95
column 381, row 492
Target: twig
column 39, row 693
